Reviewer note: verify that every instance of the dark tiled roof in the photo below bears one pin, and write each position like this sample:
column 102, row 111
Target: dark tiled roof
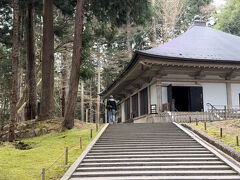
column 200, row 42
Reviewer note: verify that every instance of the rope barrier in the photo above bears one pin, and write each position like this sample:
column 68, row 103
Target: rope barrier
column 44, row 170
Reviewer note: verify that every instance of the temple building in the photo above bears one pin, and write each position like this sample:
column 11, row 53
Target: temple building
column 198, row 69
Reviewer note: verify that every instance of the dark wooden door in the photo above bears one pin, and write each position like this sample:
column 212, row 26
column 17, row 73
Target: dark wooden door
column 144, row 101
column 169, row 94
column 196, row 98
column 127, row 109
column 135, row 106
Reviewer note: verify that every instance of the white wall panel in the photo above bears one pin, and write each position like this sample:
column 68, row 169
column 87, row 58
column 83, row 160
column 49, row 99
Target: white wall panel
column 164, row 95
column 235, row 94
column 153, row 92
column 214, row 93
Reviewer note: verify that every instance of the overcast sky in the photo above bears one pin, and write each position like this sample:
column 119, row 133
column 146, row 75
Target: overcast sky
column 219, row 3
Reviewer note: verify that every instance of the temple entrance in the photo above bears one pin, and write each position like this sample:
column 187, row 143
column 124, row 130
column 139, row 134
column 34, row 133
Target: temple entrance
column 184, row 98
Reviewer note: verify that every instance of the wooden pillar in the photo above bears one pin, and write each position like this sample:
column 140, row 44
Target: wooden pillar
column 159, row 96
column 130, row 107
column 139, row 104
column 149, row 99
column 229, row 95
column 123, row 111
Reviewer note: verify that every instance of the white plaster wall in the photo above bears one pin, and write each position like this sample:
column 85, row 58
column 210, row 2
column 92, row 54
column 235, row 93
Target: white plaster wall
column 153, row 92
column 164, row 95
column 235, row 94
column 122, row 112
column 214, row 93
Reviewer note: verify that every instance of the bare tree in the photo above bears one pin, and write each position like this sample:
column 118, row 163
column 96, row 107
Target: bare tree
column 154, row 31
column 76, row 63
column 15, row 56
column 47, row 94
column 170, row 12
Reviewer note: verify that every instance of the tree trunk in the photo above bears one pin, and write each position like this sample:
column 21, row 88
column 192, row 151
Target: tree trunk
column 64, row 82
column 90, row 103
column 47, row 110
column 31, row 73
column 15, row 55
column 129, row 44
column 82, row 101
column 154, row 30
column 98, row 91
column 76, row 63
column 20, row 115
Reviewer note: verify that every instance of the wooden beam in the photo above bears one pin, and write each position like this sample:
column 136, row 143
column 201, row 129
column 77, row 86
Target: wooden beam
column 135, row 85
column 144, row 79
column 200, row 80
column 199, row 74
column 230, row 75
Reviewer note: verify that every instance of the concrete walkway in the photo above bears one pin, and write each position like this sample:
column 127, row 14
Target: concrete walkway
column 150, row 151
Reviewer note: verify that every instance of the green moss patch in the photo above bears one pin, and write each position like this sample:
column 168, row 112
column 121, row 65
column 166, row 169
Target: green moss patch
column 16, row 164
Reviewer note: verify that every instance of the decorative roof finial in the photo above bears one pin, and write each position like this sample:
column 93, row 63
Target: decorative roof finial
column 198, row 21
column 197, row 18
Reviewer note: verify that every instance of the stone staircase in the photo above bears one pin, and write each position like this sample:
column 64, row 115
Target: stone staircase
column 150, row 151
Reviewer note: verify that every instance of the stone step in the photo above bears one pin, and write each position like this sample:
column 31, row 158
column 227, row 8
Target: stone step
column 164, row 163
column 169, row 136
column 147, row 149
column 151, row 159
column 235, row 177
column 144, row 141
column 147, row 168
column 155, row 173
column 139, row 134
column 109, row 156
column 145, row 144
column 149, row 152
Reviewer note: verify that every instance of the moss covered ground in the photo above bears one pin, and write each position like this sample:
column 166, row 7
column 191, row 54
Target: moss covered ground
column 27, row 164
column 230, row 129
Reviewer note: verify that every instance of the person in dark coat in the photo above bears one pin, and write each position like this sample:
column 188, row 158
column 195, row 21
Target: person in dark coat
column 111, row 107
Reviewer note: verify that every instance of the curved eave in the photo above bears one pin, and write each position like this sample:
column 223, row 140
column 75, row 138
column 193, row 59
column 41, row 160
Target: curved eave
column 137, row 54
column 124, row 72
column 174, row 58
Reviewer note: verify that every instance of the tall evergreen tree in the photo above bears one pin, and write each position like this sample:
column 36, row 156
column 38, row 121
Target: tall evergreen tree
column 47, row 108
column 15, row 56
column 31, row 74
column 76, row 63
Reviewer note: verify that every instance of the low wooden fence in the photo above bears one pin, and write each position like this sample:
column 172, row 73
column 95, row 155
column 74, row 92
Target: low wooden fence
column 186, row 117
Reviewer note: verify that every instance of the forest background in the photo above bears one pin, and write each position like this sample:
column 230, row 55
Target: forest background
column 47, row 47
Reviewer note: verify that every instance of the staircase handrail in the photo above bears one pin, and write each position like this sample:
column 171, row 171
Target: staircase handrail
column 212, row 106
